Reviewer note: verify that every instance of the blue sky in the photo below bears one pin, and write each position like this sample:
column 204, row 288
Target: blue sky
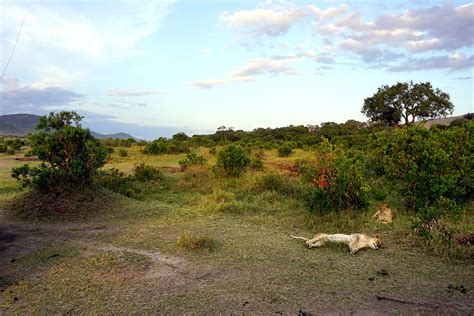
column 153, row 68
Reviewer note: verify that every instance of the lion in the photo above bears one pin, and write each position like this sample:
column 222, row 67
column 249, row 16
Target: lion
column 384, row 214
column 354, row 241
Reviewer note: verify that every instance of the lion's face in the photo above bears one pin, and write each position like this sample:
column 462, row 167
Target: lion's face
column 376, row 242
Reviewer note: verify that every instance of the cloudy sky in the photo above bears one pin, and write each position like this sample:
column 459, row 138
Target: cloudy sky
column 152, row 68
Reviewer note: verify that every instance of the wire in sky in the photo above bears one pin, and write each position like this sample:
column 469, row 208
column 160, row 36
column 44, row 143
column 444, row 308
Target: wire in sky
column 13, row 49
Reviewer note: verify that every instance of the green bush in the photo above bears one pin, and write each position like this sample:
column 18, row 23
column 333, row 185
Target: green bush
column 427, row 166
column 285, row 150
column 3, row 148
column 278, row 183
column 71, row 155
column 233, row 160
column 118, row 182
column 123, row 153
column 212, row 151
column 163, row 146
column 147, row 173
column 14, row 143
column 192, row 159
column 306, row 170
column 339, row 182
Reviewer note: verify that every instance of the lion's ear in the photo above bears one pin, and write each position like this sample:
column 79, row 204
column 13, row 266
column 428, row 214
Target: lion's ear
column 377, row 235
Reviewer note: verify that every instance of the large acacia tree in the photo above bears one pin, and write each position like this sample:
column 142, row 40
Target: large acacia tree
column 406, row 102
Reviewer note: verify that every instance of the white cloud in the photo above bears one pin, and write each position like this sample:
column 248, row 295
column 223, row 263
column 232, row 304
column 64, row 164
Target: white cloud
column 263, row 66
column 133, row 93
column 452, row 62
column 271, row 66
column 207, row 84
column 58, row 39
column 328, row 13
column 269, row 20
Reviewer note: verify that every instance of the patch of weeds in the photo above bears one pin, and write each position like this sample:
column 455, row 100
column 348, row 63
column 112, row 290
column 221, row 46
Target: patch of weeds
column 437, row 236
column 196, row 242
column 238, row 207
column 123, row 153
column 279, row 183
column 197, row 178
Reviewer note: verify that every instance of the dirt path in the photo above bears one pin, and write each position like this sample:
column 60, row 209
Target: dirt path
column 73, row 268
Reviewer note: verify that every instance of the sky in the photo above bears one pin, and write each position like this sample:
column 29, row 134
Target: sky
column 153, row 68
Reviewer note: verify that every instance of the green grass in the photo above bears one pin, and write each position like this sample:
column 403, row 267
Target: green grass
column 153, row 255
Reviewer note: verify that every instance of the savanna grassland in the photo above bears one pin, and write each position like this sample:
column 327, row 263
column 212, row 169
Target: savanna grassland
column 196, row 243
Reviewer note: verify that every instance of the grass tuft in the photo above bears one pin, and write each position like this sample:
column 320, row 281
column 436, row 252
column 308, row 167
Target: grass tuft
column 196, row 242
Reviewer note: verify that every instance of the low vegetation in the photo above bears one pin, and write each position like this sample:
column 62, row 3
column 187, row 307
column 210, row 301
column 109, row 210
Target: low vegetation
column 203, row 222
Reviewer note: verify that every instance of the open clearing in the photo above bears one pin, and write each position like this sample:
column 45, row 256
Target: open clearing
column 125, row 258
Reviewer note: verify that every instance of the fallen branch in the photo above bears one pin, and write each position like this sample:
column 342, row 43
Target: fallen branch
column 382, row 298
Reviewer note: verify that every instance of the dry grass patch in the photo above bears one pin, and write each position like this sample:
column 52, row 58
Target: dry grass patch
column 196, row 242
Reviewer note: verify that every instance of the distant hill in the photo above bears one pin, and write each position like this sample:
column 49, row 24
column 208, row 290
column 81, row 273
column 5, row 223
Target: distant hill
column 116, row 135
column 442, row 121
column 22, row 124
column 18, row 124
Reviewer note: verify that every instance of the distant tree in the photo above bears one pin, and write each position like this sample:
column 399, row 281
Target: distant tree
column 180, row 137
column 406, row 102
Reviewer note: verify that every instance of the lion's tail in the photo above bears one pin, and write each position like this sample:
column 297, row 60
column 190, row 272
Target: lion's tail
column 297, row 237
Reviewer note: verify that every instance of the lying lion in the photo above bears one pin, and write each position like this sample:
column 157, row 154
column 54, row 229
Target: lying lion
column 384, row 214
column 354, row 241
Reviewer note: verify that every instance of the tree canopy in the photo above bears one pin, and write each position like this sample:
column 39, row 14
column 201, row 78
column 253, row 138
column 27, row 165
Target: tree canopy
column 406, row 102
column 70, row 154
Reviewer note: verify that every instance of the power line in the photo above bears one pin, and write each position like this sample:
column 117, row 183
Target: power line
column 13, row 49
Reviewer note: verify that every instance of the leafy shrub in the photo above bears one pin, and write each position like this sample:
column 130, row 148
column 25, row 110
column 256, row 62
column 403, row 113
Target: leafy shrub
column 146, row 173
column 212, row 151
column 123, row 153
column 10, row 151
column 192, row 159
column 339, row 182
column 278, row 183
column 110, row 150
column 307, row 170
column 163, row 146
column 427, row 166
column 118, row 182
column 3, row 148
column 14, row 143
column 71, row 155
column 233, row 160
column 118, row 142
column 285, row 150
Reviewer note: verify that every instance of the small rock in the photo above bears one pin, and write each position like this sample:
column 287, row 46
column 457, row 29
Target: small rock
column 382, row 272
column 303, row 313
column 371, row 278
